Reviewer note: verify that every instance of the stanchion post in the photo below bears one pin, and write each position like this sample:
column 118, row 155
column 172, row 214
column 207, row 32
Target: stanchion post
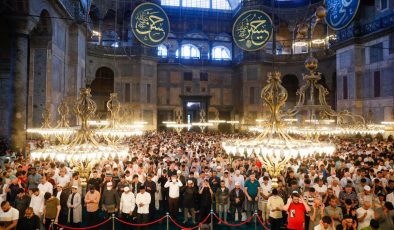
column 52, row 224
column 211, row 219
column 113, row 221
column 255, row 219
column 168, row 220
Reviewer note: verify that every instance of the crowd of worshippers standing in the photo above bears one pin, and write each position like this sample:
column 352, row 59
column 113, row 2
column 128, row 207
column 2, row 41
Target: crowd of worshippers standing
column 189, row 175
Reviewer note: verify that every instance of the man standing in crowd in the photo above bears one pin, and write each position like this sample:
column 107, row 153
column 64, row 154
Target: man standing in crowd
column 37, row 202
column 151, row 189
column 127, row 204
column 74, row 205
column 275, row 206
column 173, row 194
column 222, row 199
column 205, row 200
column 334, row 211
column 237, row 199
column 29, row 221
column 45, row 186
column 265, row 193
column 296, row 208
column 142, row 201
column 92, row 200
column 190, row 197
column 33, row 178
column 364, row 215
column 110, row 200
column 22, row 202
column 62, row 195
column 251, row 191
column 9, row 216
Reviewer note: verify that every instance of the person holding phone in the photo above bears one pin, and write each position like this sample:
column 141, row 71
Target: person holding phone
column 296, row 208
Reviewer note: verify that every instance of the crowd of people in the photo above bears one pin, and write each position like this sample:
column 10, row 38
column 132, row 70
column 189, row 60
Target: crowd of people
column 189, row 175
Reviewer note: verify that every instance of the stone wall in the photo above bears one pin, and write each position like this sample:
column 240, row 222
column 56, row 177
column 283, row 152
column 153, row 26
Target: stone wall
column 362, row 65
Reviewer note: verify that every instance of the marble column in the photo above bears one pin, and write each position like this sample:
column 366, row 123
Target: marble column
column 19, row 89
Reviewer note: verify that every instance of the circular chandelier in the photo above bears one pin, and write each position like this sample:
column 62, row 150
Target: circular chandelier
column 274, row 146
column 81, row 145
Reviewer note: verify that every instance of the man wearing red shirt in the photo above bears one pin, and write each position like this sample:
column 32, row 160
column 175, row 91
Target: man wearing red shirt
column 296, row 208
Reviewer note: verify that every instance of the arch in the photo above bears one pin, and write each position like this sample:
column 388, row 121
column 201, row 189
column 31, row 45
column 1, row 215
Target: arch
column 188, row 51
column 162, row 51
column 44, row 25
column 221, row 53
column 291, row 83
column 102, row 86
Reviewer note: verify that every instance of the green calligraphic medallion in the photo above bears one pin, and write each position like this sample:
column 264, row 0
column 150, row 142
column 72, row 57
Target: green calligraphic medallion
column 252, row 30
column 150, row 24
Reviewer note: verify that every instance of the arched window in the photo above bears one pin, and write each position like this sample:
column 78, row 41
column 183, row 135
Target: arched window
column 221, row 53
column 221, row 5
column 162, row 51
column 196, row 3
column 170, row 2
column 188, row 51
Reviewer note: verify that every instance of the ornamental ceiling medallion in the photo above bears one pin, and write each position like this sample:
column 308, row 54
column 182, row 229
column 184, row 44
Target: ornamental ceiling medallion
column 150, row 24
column 340, row 13
column 252, row 30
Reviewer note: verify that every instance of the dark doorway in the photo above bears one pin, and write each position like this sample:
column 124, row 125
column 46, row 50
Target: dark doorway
column 192, row 106
column 102, row 86
column 290, row 82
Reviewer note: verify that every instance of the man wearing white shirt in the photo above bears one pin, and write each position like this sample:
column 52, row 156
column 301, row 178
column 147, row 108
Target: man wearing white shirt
column 174, row 184
column 390, row 197
column 265, row 192
column 320, row 187
column 345, row 180
column 127, row 204
column 37, row 202
column 45, row 186
column 8, row 216
column 331, row 178
column 239, row 178
column 142, row 201
column 335, row 187
column 62, row 179
column 364, row 215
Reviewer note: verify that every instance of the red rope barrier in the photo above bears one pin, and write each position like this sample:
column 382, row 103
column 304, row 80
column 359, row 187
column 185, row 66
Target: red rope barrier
column 182, row 227
column 90, row 227
column 262, row 222
column 139, row 225
column 233, row 225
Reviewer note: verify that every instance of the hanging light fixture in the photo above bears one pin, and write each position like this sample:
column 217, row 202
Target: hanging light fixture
column 273, row 146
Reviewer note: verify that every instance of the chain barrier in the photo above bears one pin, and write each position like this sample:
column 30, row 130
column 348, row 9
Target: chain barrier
column 171, row 219
column 140, row 225
column 191, row 228
column 86, row 228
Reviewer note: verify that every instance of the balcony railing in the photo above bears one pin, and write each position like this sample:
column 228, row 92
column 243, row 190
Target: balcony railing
column 121, row 51
column 359, row 30
column 75, row 9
